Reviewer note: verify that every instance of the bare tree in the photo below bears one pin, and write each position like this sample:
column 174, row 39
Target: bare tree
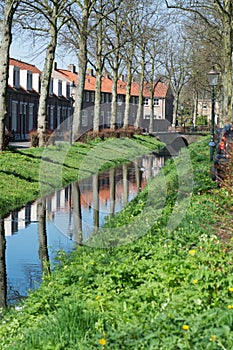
column 9, row 9
column 114, row 43
column 147, row 26
column 51, row 15
column 218, row 16
column 177, row 67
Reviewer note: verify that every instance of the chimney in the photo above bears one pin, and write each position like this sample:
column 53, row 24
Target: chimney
column 72, row 68
column 90, row 72
column 54, row 65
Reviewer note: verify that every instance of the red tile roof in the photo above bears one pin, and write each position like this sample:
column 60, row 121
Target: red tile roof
column 24, row 66
column 90, row 82
column 160, row 90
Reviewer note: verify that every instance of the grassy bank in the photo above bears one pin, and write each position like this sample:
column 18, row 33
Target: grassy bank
column 28, row 174
column 168, row 288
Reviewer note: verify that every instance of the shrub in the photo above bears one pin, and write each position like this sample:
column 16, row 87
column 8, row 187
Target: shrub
column 49, row 138
column 7, row 138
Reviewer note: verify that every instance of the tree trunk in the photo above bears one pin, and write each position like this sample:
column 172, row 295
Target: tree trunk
column 140, row 102
column 228, row 92
column 151, row 107
column 6, row 38
column 97, row 106
column 42, row 126
column 82, row 64
column 114, row 100
column 128, row 95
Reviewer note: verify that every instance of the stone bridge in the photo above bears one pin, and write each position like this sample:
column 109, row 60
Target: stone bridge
column 175, row 141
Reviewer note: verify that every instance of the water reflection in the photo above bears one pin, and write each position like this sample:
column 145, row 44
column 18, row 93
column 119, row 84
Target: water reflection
column 64, row 219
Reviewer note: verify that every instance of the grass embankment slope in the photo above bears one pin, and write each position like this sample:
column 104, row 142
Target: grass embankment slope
column 171, row 288
column 28, row 174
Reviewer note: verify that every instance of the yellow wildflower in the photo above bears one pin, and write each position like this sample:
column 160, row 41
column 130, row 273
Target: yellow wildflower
column 98, row 297
column 192, row 251
column 230, row 306
column 231, row 289
column 102, row 341
column 185, row 327
column 92, row 263
column 213, row 338
column 195, row 281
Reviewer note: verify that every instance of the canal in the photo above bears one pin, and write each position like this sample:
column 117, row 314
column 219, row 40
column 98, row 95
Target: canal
column 37, row 232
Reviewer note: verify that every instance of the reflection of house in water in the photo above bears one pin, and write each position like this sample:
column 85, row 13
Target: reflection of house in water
column 20, row 219
column 151, row 166
column 126, row 183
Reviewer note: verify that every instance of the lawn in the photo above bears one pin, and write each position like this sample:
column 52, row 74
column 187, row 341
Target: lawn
column 163, row 285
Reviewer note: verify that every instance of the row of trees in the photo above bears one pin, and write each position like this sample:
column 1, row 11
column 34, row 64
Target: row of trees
column 151, row 40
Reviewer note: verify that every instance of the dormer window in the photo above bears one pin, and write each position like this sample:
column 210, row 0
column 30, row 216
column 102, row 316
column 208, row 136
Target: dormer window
column 29, row 81
column 51, row 87
column 16, row 77
column 59, row 88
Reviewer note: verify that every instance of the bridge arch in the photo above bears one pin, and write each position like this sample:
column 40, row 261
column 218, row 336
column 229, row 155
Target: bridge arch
column 179, row 142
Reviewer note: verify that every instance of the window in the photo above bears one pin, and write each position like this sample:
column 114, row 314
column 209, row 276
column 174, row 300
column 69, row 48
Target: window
column 51, row 87
column 108, row 118
column 119, row 99
column 92, row 97
column 147, row 116
column 156, row 102
column 58, row 117
column 67, row 90
column 84, row 118
column 16, row 77
column 119, row 117
column 59, row 88
column 102, row 98
column 30, row 114
column 22, row 108
column 102, row 119
column 146, row 101
column 51, row 117
column 87, row 96
column 204, row 106
column 29, row 81
column 63, row 113
column 14, row 115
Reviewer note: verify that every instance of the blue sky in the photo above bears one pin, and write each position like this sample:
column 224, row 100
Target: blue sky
column 24, row 50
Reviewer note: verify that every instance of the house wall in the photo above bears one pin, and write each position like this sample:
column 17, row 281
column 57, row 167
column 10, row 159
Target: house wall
column 23, row 105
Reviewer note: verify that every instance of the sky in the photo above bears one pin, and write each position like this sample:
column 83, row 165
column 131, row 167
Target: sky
column 24, row 50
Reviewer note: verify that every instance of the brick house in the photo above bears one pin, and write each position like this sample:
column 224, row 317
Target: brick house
column 23, row 100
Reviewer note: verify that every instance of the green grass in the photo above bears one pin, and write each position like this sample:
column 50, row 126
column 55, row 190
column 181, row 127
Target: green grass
column 165, row 289
column 28, row 174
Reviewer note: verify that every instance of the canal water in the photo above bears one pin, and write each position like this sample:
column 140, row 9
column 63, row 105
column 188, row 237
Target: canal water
column 37, row 232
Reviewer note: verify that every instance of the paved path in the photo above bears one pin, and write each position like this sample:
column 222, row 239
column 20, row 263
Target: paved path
column 20, row 144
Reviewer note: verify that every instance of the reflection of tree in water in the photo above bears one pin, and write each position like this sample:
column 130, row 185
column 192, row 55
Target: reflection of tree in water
column 95, row 201
column 2, row 265
column 32, row 279
column 42, row 235
column 77, row 214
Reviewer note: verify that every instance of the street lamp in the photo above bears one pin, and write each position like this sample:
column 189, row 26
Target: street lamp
column 72, row 100
column 213, row 81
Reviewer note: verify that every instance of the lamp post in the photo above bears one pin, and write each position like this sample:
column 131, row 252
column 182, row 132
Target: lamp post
column 72, row 100
column 213, row 81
